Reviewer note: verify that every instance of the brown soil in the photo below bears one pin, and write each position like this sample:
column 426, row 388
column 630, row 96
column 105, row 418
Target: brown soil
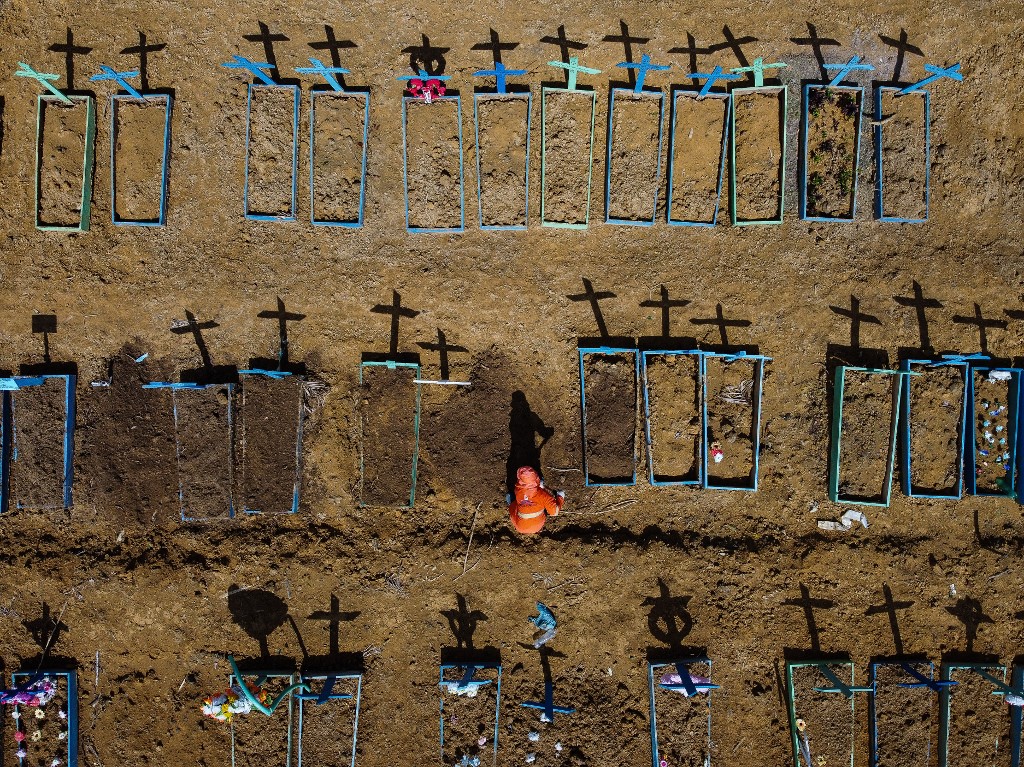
column 979, row 726
column 43, row 748
column 732, row 425
column 467, row 720
column 697, row 157
column 567, row 155
column 37, row 471
column 936, row 407
column 758, row 154
column 904, row 159
column 327, row 729
column 907, row 719
column 610, row 381
column 204, row 451
column 683, row 722
column 61, row 159
column 503, row 144
column 261, row 741
column 270, row 418
column 138, row 159
column 991, row 423
column 388, row 414
column 635, row 156
column 829, row 717
column 674, row 397
column 432, row 140
column 832, row 121
column 337, row 156
column 271, row 144
column 865, row 440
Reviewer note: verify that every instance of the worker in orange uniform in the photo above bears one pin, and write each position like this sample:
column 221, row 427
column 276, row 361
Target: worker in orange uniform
column 533, row 503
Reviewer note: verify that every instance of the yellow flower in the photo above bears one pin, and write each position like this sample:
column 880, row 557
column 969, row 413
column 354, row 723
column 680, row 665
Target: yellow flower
column 801, row 725
column 37, row 735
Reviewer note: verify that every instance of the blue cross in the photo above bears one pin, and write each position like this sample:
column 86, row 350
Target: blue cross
column 326, row 693
column 121, row 78
column 1001, row 687
column 468, row 680
column 573, row 68
column 500, row 73
column 922, row 681
column 254, row 67
column 45, row 79
column 710, row 78
column 642, row 68
column 548, row 708
column 838, row 684
column 757, row 70
column 937, row 73
column 842, row 70
column 686, row 684
column 328, row 73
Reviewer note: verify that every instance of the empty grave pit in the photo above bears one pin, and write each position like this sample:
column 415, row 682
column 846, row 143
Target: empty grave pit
column 203, row 425
column 327, row 729
column 65, row 137
column 503, row 154
column 758, row 162
column 732, row 387
column 433, row 165
column 389, row 409
column 568, row 133
column 465, row 720
column 828, row 717
column 682, row 722
column 831, row 150
column 674, row 416
column 904, row 154
column 259, row 741
column 979, row 728
column 634, row 155
column 270, row 161
column 993, row 434
column 337, row 152
column 38, row 470
column 271, row 434
column 865, row 435
column 609, row 381
column 936, row 406
column 139, row 131
column 904, row 718
column 698, row 147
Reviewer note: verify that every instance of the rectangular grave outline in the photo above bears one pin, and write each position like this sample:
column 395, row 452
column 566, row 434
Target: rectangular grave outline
column 477, row 97
column 87, row 161
column 908, row 489
column 365, row 95
column 699, row 359
column 651, row 668
column 161, row 219
column 297, row 487
column 784, row 89
column 355, row 725
column 71, row 679
column 290, row 216
column 759, row 363
column 660, row 97
column 416, row 432
column 1016, row 718
column 837, row 423
column 10, row 435
column 261, row 677
column 791, row 705
column 873, row 752
column 721, row 163
column 945, row 699
column 544, row 91
column 584, row 350
column 405, row 170
column 804, row 119
column 1013, row 424
column 879, row 211
column 497, row 698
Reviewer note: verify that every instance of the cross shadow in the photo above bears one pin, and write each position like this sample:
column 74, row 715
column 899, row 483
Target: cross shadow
column 524, row 426
column 670, row 622
column 566, row 47
column 463, row 623
column 817, row 44
column 594, row 298
column 46, row 631
column 142, row 50
column 735, row 44
column 722, row 324
column 259, row 613
column 397, row 312
column 809, row 604
column 207, row 372
column 666, row 340
column 283, row 362
column 70, row 50
column 903, row 47
column 988, row 542
column 627, row 40
column 983, row 324
column 335, row 660
column 426, row 56
column 267, row 39
column 334, row 47
column 920, row 304
column 495, row 45
column 854, row 354
column 45, row 325
column 443, row 349
column 692, row 50
column 890, row 607
column 968, row 611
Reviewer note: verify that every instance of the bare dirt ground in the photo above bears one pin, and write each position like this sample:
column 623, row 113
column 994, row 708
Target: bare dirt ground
column 677, row 568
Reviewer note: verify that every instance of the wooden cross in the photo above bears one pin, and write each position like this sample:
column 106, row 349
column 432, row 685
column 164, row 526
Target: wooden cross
column 642, row 69
column 890, row 606
column 757, row 70
column 722, row 323
column 809, row 605
column 121, row 78
column 982, row 324
column 283, row 317
column 920, row 304
column 816, row 43
column 330, row 74
column 254, row 67
column 143, row 50
column 856, row 318
column 666, row 305
column 594, row 298
column 46, row 79
column 332, row 44
column 936, row 73
column 268, row 39
column 397, row 311
column 627, row 41
column 842, row 70
column 190, row 325
column 564, row 44
column 443, row 348
column 495, row 46
column 572, row 69
column 500, row 75
column 70, row 50
column 710, row 78
column 426, row 57
column 902, row 47
column 334, row 617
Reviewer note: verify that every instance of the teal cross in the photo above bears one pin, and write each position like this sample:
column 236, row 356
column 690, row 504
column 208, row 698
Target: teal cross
column 839, row 685
column 1001, row 687
column 328, row 73
column 500, row 75
column 757, row 70
column 937, row 73
column 45, row 79
column 710, row 78
column 842, row 70
column 255, row 67
column 642, row 69
column 121, row 78
column 573, row 68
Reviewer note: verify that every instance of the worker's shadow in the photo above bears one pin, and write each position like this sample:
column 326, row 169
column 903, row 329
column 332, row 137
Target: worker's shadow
column 524, row 428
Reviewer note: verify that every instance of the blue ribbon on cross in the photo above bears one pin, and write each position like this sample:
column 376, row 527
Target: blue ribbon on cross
column 326, row 72
column 500, row 73
column 46, row 79
column 254, row 67
column 686, row 683
column 711, row 78
column 842, row 70
column 935, row 685
column 937, row 73
column 121, row 78
column 547, row 707
column 642, row 67
column 572, row 69
column 838, row 685
column 757, row 69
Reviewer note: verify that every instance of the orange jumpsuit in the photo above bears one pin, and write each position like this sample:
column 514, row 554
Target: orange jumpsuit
column 533, row 503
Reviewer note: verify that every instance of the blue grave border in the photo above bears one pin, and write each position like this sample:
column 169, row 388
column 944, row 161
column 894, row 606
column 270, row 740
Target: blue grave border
column 699, row 386
column 391, row 365
column 945, row 699
column 1013, row 427
column 879, row 164
column 873, row 735
column 261, row 677
column 791, row 702
column 583, row 351
column 651, row 670
column 318, row 699
column 497, row 698
column 297, row 97
column 726, row 121
column 759, row 361
column 352, row 94
column 659, row 96
column 71, row 680
column 477, row 98
column 858, row 90
column 297, row 486
column 405, row 168
column 161, row 219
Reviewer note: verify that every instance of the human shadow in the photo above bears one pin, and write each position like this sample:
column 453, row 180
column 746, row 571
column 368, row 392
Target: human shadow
column 524, row 427
column 464, row 623
column 259, row 613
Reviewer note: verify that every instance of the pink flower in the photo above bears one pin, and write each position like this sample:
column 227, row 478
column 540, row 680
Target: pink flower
column 19, row 736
